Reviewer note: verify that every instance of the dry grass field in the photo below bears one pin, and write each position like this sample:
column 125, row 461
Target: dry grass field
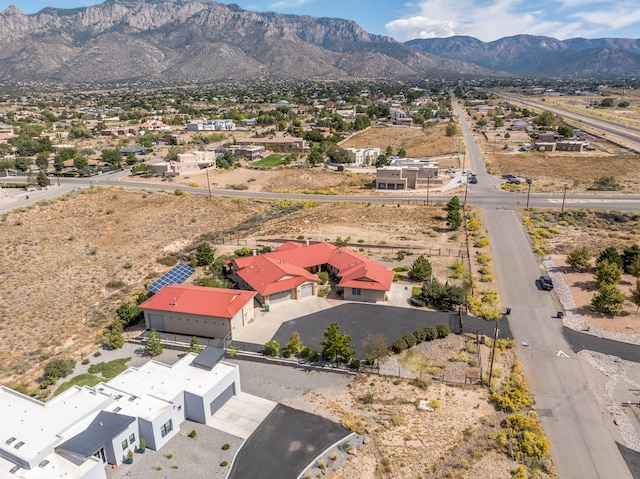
column 67, row 265
column 418, row 142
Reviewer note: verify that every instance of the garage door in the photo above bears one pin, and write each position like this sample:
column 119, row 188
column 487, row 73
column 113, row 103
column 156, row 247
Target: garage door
column 156, row 321
column 227, row 394
column 306, row 290
column 277, row 297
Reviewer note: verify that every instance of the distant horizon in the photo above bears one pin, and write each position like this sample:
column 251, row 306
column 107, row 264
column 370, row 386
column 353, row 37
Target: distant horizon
column 485, row 20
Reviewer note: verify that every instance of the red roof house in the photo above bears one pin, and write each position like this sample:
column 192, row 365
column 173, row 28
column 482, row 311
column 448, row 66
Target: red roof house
column 288, row 273
column 199, row 311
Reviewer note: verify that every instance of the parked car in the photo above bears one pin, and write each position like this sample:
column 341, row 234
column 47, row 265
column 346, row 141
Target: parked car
column 546, row 283
column 513, row 181
column 510, row 177
column 473, row 180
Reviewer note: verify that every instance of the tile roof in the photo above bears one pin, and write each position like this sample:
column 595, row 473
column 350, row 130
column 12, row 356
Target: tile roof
column 285, row 268
column 218, row 302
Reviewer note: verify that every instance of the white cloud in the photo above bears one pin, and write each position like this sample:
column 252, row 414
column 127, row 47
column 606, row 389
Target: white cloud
column 489, row 20
column 283, row 4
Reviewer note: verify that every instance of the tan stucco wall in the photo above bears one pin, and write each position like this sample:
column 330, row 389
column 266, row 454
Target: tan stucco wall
column 192, row 324
column 367, row 296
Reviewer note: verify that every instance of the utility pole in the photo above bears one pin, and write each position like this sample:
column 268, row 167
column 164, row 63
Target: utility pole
column 208, row 184
column 564, row 195
column 466, row 189
column 529, row 180
column 428, row 187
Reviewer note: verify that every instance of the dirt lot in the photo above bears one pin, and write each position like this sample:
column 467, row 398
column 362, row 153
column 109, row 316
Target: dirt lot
column 418, row 142
column 451, row 441
column 68, row 264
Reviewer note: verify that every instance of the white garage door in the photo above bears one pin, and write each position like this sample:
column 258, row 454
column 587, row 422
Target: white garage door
column 306, row 290
column 277, row 297
column 156, row 321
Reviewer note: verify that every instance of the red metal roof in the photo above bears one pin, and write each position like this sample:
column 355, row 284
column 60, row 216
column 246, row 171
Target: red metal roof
column 218, row 302
column 268, row 275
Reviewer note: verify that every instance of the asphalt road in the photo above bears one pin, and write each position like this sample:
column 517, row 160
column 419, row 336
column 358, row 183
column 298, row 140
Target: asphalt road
column 582, row 445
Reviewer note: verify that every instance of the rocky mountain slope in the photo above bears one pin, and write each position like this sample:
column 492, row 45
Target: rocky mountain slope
column 195, row 40
column 535, row 55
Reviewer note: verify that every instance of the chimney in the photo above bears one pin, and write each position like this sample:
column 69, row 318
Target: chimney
column 307, row 241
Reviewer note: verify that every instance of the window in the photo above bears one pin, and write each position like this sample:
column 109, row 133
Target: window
column 132, row 438
column 125, row 444
column 166, row 428
column 356, row 291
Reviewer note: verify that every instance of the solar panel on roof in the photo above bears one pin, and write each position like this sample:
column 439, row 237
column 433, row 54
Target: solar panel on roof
column 178, row 275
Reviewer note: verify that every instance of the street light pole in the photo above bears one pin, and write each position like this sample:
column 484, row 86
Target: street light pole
column 564, row 195
column 428, row 187
column 529, row 192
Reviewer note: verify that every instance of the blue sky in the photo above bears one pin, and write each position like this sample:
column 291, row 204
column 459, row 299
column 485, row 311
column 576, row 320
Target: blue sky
column 484, row 19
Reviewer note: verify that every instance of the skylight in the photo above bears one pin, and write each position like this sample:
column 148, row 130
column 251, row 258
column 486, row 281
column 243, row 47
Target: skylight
column 10, row 440
column 19, row 445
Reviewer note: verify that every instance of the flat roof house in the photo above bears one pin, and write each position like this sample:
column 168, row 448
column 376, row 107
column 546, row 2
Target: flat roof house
column 84, row 430
column 199, row 310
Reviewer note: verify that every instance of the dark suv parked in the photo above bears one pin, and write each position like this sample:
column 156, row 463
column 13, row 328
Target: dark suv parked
column 546, row 283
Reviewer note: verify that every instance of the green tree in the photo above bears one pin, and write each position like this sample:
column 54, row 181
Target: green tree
column 295, row 344
column 81, row 164
column 154, row 345
column 336, row 345
column 629, row 256
column 402, row 153
column 545, row 119
column 315, row 157
column 565, row 130
column 611, row 254
column 115, row 340
column 608, row 300
column 129, row 314
column 21, row 163
column 579, row 259
column 498, row 122
column 205, row 254
column 43, row 180
column 635, row 295
column 607, row 103
column 195, row 346
column 454, row 219
column 112, row 157
column 42, row 161
column 451, row 130
column 608, row 273
column 421, row 269
column 634, row 268
column 272, row 349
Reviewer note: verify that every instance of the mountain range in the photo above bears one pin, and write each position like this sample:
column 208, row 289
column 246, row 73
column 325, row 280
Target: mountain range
column 178, row 40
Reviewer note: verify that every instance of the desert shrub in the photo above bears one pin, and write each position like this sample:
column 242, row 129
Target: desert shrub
column 225, row 447
column 314, row 356
column 368, row 398
column 481, row 242
column 525, row 439
column 434, row 403
column 399, row 345
column 579, row 259
column 224, row 464
column 514, row 395
column 169, row 260
column 442, row 330
column 354, row 364
column 417, row 301
column 420, row 335
column 271, row 349
column 430, row 333
column 286, row 353
column 410, row 339
column 305, row 351
column 58, row 369
column 193, row 433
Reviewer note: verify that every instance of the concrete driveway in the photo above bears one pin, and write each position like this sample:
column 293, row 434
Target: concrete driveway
column 242, row 414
